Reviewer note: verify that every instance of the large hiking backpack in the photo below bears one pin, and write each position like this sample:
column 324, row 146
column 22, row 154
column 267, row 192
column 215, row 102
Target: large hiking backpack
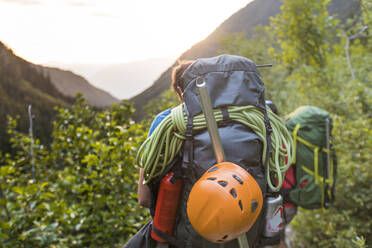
column 315, row 165
column 231, row 81
column 237, row 96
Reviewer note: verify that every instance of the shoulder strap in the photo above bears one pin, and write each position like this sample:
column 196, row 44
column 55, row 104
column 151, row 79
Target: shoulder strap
column 188, row 145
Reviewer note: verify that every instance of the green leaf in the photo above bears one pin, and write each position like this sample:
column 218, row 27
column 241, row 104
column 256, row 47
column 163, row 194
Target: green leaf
column 4, row 236
column 18, row 190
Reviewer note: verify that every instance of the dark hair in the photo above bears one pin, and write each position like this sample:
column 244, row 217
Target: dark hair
column 177, row 72
column 272, row 107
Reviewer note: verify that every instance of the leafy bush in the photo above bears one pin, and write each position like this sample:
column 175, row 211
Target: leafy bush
column 80, row 191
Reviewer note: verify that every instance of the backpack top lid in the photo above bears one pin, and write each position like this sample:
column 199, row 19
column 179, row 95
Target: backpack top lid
column 231, row 80
column 312, row 121
column 308, row 116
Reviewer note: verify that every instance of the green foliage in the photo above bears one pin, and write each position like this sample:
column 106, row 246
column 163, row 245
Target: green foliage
column 312, row 67
column 366, row 6
column 168, row 99
column 304, row 30
column 83, row 189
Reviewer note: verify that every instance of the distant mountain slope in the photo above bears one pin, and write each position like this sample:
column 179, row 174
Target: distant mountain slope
column 129, row 79
column 246, row 19
column 21, row 85
column 69, row 84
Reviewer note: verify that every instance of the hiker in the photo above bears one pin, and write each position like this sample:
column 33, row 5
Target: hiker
column 241, row 201
column 144, row 193
column 315, row 160
column 145, row 199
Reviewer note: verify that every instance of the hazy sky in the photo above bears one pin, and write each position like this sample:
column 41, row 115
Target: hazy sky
column 108, row 31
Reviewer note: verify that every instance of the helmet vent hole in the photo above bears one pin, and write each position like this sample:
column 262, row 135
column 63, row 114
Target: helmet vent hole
column 241, row 205
column 212, row 178
column 213, row 169
column 233, row 193
column 238, row 179
column 222, row 183
column 254, row 205
column 223, row 239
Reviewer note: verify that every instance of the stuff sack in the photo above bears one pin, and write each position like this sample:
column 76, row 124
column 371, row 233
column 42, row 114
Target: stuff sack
column 315, row 165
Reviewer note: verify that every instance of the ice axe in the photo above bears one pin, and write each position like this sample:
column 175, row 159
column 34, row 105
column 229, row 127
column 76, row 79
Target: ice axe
column 206, row 105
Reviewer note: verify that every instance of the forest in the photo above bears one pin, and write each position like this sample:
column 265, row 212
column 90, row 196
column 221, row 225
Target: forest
column 80, row 189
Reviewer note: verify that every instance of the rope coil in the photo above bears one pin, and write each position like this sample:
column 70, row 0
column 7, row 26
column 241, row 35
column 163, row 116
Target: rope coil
column 163, row 145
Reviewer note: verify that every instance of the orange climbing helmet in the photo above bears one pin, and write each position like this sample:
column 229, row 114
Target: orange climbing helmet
column 224, row 203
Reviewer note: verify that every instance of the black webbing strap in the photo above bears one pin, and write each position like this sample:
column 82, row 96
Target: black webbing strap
column 225, row 114
column 269, row 130
column 188, row 151
column 226, row 119
column 258, row 242
column 170, row 239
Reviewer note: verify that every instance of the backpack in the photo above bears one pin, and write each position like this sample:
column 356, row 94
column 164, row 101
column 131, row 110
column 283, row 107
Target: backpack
column 233, row 82
column 315, row 165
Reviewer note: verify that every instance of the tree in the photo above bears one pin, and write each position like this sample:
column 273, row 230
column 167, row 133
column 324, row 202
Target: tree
column 304, row 31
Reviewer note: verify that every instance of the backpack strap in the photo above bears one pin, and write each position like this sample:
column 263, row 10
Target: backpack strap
column 188, row 149
column 226, row 119
column 170, row 239
column 269, row 130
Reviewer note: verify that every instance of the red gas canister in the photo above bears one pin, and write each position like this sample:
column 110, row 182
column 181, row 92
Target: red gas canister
column 166, row 206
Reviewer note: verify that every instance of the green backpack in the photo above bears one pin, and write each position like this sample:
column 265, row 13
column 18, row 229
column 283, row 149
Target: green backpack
column 315, row 162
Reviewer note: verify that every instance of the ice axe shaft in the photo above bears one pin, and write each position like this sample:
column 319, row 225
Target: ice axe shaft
column 206, row 105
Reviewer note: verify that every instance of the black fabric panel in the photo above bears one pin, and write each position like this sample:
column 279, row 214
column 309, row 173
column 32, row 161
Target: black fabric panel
column 242, row 85
column 240, row 144
column 222, row 63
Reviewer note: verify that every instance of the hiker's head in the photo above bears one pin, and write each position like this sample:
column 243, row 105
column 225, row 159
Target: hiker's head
column 272, row 107
column 224, row 203
column 177, row 84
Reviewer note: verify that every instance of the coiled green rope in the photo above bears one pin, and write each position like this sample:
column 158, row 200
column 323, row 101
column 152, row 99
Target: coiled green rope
column 163, row 145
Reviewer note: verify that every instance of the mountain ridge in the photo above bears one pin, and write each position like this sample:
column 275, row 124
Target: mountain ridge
column 21, row 86
column 70, row 84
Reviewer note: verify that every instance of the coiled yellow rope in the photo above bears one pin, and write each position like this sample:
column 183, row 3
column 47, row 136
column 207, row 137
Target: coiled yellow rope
column 163, row 145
